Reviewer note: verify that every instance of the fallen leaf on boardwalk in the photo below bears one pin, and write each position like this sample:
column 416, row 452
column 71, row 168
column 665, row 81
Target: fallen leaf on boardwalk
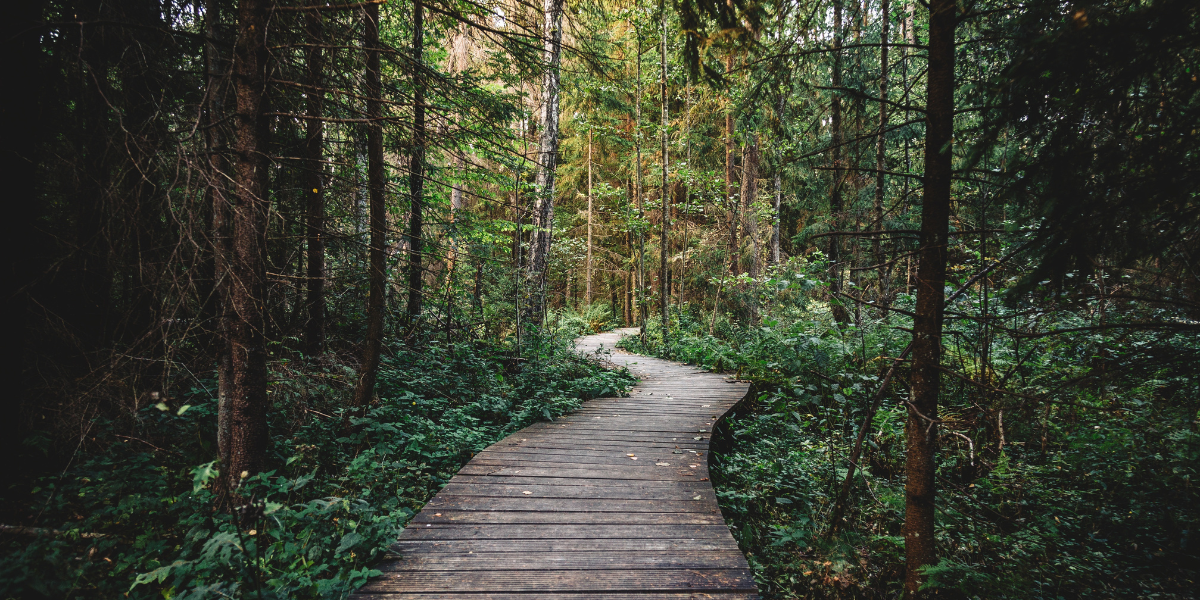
column 703, row 479
column 630, row 455
column 705, row 405
column 632, row 458
column 696, row 498
column 527, row 493
column 663, row 464
column 437, row 514
column 697, row 438
column 693, row 466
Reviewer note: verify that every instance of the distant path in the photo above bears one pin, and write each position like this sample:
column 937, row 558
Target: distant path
column 611, row 501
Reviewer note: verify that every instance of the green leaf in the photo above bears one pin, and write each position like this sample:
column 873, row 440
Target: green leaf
column 349, row 541
column 202, row 474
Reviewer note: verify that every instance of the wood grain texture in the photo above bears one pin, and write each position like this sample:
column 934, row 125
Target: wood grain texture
column 609, row 502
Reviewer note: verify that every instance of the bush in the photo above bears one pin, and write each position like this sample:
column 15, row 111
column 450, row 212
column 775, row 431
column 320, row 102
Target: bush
column 134, row 519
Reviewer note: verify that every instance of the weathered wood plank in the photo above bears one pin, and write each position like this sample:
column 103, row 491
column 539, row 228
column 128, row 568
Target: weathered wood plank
column 507, row 489
column 505, row 531
column 706, row 595
column 495, row 561
column 477, row 517
column 566, row 505
column 584, row 580
column 411, row 547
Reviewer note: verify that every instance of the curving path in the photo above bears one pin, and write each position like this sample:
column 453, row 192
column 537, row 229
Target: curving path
column 612, row 501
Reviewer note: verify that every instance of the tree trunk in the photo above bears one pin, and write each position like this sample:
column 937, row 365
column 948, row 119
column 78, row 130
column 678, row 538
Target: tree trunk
column 664, row 281
column 365, row 390
column 749, row 196
column 457, row 198
column 778, row 188
column 220, row 241
column 686, row 245
column 589, row 222
column 921, row 427
column 880, row 155
column 775, row 220
column 248, row 281
column 835, row 194
column 314, row 186
column 640, row 293
column 543, row 214
column 729, row 199
column 416, row 177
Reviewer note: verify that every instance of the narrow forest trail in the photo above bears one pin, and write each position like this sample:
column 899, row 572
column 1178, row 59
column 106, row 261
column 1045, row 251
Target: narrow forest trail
column 611, row 501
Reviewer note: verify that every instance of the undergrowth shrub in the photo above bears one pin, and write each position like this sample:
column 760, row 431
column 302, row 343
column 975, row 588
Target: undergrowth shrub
column 136, row 518
column 1069, row 474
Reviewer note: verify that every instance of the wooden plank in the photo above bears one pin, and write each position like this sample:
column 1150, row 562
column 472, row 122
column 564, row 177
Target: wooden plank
column 439, row 531
column 583, row 580
column 494, row 561
column 617, row 545
column 705, row 595
column 566, row 505
column 567, row 481
column 508, row 489
column 479, row 517
column 581, row 451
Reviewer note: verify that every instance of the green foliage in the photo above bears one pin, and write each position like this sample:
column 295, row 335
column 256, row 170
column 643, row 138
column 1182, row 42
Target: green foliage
column 1092, row 494
column 341, row 487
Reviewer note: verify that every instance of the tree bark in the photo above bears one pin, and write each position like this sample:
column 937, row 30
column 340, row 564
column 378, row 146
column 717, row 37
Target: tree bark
column 921, row 427
column 640, row 293
column 416, row 179
column 664, row 282
column 734, row 267
column 880, row 155
column 543, row 214
column 835, row 193
column 589, row 221
column 457, row 197
column 372, row 345
column 219, row 236
column 775, row 258
column 248, row 386
column 749, row 196
column 314, row 184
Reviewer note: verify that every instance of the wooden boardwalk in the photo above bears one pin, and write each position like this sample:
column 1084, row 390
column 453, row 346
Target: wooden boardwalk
column 612, row 501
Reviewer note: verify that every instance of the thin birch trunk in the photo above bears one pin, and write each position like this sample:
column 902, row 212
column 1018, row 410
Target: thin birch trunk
column 664, row 243
column 588, row 299
column 543, row 214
